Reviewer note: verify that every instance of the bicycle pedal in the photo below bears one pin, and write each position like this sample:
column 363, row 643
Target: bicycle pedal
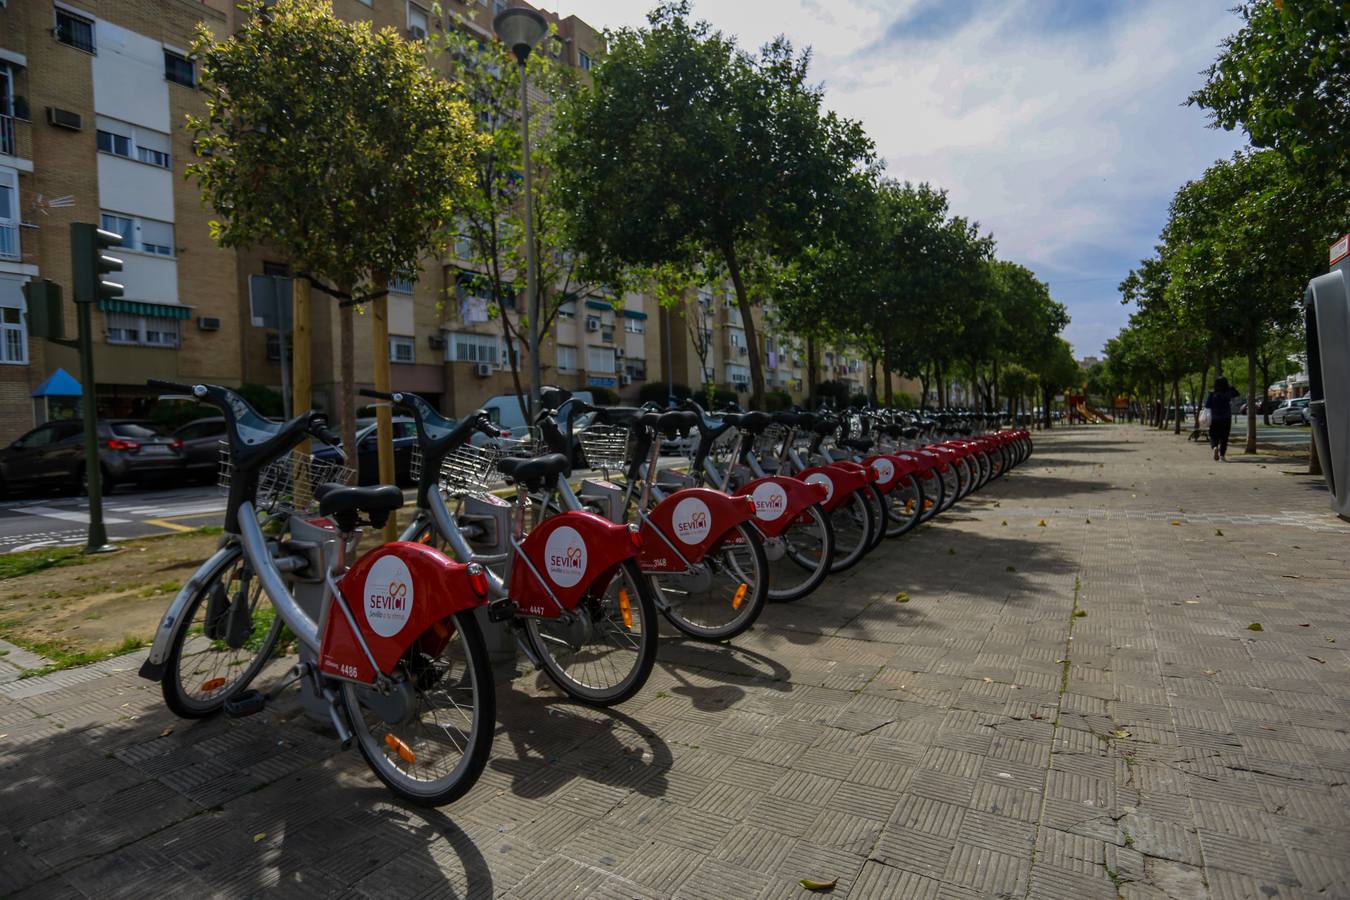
column 245, row 704
column 503, row 610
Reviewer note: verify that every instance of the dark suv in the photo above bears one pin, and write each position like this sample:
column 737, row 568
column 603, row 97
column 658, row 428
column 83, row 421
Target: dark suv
column 52, row 455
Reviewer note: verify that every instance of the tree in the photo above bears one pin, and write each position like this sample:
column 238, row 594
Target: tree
column 491, row 211
column 334, row 145
column 689, row 150
column 1284, row 78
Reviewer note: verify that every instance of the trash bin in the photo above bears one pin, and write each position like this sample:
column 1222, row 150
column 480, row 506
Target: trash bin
column 1327, row 311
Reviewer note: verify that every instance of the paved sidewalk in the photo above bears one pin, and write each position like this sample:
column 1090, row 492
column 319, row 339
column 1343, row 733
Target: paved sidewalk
column 1070, row 704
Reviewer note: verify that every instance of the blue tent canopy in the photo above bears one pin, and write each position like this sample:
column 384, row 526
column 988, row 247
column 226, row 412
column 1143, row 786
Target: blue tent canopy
column 59, row 384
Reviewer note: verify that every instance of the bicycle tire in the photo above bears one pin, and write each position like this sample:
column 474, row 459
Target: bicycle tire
column 906, row 506
column 815, row 572
column 750, row 607
column 857, row 512
column 645, row 646
column 880, row 516
column 176, row 695
column 478, row 743
column 932, row 498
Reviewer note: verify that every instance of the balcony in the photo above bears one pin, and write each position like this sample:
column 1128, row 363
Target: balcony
column 9, row 242
column 15, row 137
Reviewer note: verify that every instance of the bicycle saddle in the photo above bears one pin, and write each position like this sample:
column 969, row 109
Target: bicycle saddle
column 668, row 423
column 753, row 422
column 825, row 426
column 792, row 419
column 533, row 471
column 342, row 503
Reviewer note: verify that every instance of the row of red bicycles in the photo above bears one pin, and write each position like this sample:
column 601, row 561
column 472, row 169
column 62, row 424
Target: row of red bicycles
column 506, row 547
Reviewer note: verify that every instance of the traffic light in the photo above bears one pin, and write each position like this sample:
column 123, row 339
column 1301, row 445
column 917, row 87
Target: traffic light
column 90, row 264
column 45, row 319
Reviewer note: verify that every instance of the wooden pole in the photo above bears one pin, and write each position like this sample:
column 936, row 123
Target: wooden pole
column 384, row 415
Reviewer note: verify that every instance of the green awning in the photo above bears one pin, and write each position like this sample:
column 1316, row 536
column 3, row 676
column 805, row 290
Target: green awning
column 633, row 314
column 600, row 304
column 149, row 310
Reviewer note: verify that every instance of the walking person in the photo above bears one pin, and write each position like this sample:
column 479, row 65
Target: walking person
column 1220, row 406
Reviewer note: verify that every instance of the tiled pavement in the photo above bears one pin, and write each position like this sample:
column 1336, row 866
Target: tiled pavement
column 1069, row 705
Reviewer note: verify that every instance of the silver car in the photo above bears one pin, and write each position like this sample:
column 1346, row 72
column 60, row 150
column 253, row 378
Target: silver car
column 1291, row 412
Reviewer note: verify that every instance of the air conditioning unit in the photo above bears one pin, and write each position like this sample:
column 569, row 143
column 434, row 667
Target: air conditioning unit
column 208, row 323
column 64, row 118
column 620, row 353
column 483, row 370
column 592, row 324
column 436, row 341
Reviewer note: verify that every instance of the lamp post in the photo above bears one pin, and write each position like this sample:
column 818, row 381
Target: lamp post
column 522, row 29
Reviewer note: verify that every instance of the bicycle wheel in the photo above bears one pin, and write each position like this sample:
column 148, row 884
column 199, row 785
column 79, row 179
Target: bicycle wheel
column 905, row 506
column 227, row 634
column 429, row 739
column 880, row 515
column 800, row 557
column 951, row 487
column 606, row 653
column 852, row 523
column 966, row 472
column 723, row 595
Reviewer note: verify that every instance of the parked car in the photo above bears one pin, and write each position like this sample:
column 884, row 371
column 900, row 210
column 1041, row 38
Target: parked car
column 367, row 451
column 504, row 411
column 1291, row 412
column 201, row 446
column 51, row 456
column 1263, row 407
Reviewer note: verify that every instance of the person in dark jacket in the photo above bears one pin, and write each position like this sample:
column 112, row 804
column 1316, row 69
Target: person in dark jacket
column 1220, row 406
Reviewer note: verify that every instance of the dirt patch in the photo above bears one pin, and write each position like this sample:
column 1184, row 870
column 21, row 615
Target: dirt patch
column 92, row 605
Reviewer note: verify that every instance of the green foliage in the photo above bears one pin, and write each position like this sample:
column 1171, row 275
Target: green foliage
column 777, row 401
column 16, row 565
column 689, row 149
column 834, row 393
column 265, row 400
column 1284, row 78
column 604, row 396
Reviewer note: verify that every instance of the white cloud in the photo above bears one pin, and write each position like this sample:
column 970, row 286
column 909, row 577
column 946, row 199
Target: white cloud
column 1067, row 140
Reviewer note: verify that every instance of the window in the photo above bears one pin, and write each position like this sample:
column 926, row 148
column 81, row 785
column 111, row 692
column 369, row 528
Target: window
column 584, row 60
column 75, row 30
column 417, row 21
column 600, row 360
column 274, row 348
column 463, row 246
column 401, row 284
column 179, row 69
column 567, row 311
column 133, row 142
column 739, row 376
column 567, row 358
column 634, row 326
column 140, row 235
column 144, row 331
column 13, row 331
column 498, row 6
column 402, row 349
column 9, row 214
column 462, row 346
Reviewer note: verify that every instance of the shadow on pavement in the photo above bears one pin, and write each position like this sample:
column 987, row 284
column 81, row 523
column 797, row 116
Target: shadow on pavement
column 151, row 805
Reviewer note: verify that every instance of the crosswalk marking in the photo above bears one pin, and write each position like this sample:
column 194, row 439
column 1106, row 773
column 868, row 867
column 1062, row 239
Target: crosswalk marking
column 64, row 515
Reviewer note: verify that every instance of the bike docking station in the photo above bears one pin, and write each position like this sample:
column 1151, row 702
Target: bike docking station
column 1327, row 316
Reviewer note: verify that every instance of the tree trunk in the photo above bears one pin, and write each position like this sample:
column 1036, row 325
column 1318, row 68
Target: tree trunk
column 1045, row 406
column 384, row 419
column 347, row 366
column 886, row 373
column 941, row 378
column 872, row 371
column 811, row 382
column 1176, row 403
column 1251, row 400
column 748, row 321
column 925, row 378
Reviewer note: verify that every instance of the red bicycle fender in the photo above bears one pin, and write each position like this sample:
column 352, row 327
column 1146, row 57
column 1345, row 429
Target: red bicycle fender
column 575, row 552
column 693, row 520
column 931, row 458
column 891, row 470
column 780, row 500
column 398, row 594
column 840, row 480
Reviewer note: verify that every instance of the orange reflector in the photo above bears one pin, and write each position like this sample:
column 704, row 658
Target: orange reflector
column 909, row 505
column 625, row 608
column 213, row 685
column 404, row 752
column 737, row 600
column 927, row 504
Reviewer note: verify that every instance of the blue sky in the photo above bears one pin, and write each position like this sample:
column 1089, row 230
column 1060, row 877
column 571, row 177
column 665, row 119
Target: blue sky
column 1058, row 124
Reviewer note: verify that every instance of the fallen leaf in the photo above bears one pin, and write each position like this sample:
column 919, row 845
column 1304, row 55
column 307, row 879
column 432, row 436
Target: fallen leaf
column 1313, row 658
column 1036, row 716
column 987, row 680
column 259, row 836
column 1305, row 625
column 812, row 885
column 1211, row 672
column 1291, row 576
column 951, row 551
column 1040, row 524
column 902, row 597
column 168, row 730
column 1218, row 532
column 1003, row 775
column 1192, row 602
column 1010, row 568
column 1255, row 626
column 1271, row 553
column 1087, row 521
column 1005, row 522
column 1176, row 521
column 1079, row 613
column 1121, row 733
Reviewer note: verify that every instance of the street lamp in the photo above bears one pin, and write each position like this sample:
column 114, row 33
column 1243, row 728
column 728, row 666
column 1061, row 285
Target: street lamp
column 522, row 29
